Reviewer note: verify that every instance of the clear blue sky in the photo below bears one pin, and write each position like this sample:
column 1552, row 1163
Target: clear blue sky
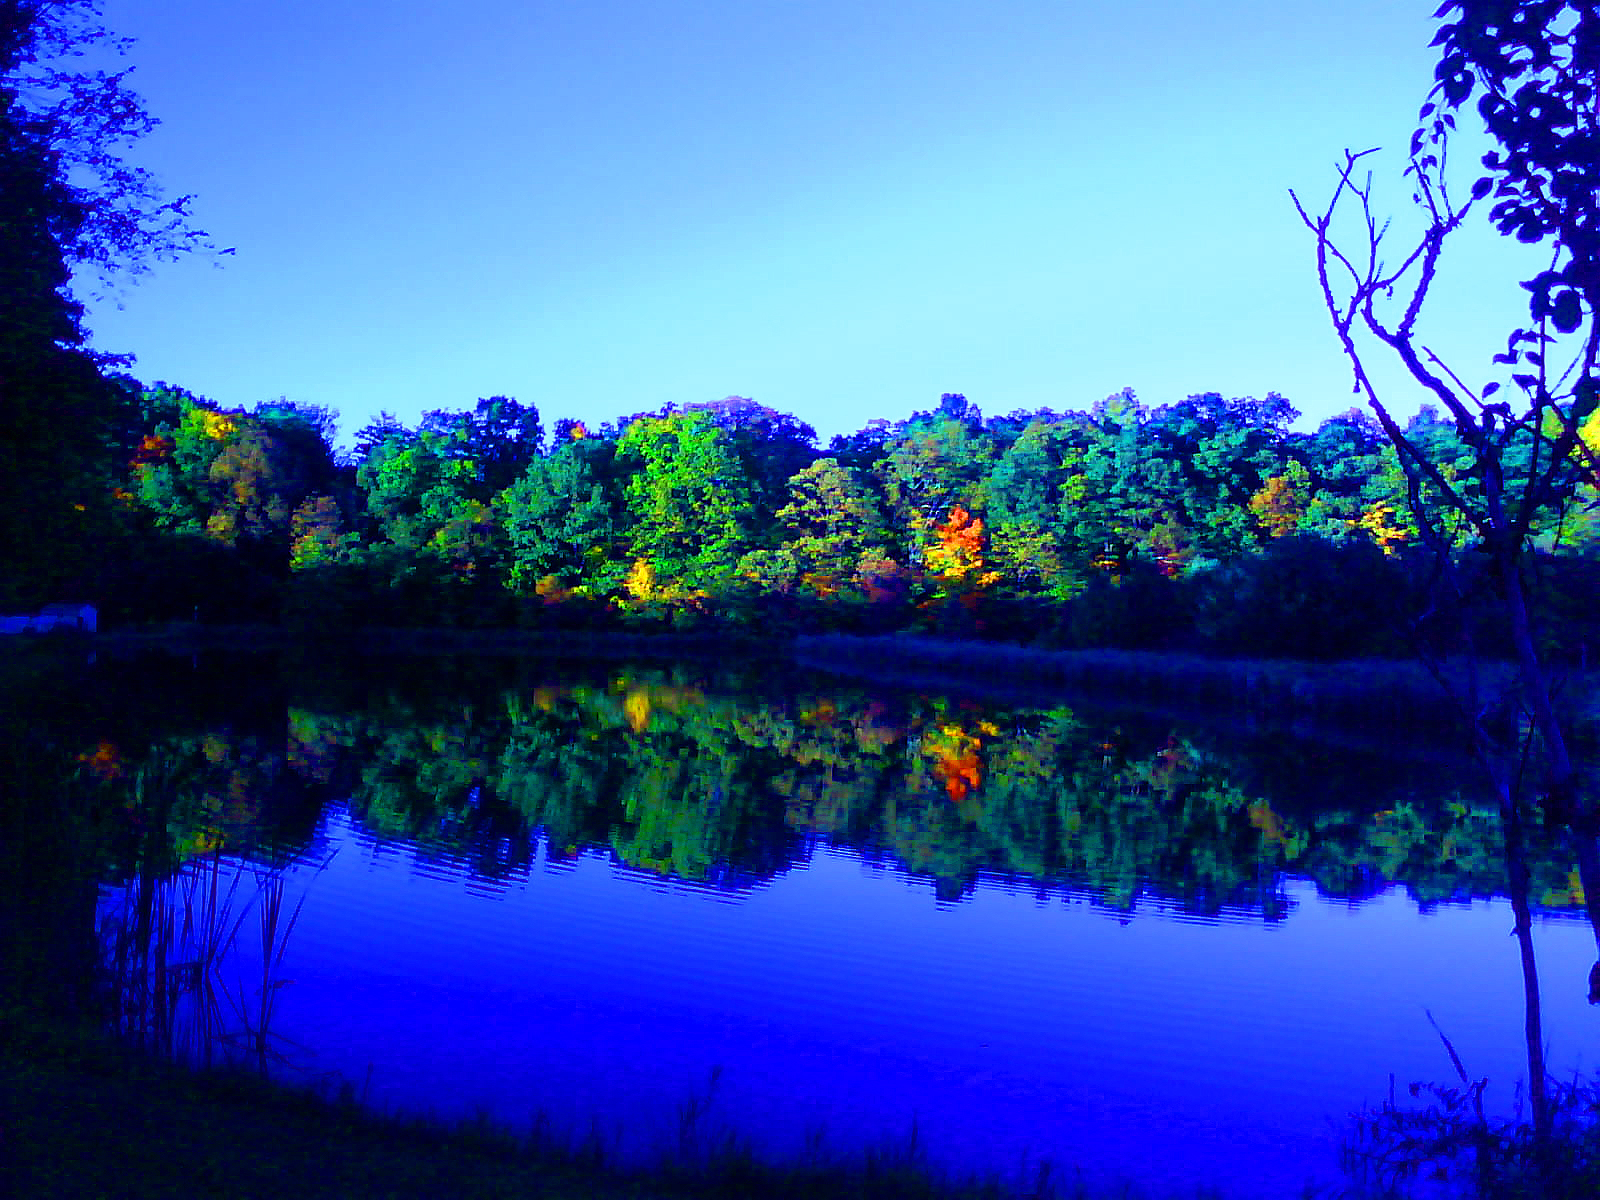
column 838, row 209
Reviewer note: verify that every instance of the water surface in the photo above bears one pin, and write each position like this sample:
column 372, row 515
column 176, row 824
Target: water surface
column 1116, row 943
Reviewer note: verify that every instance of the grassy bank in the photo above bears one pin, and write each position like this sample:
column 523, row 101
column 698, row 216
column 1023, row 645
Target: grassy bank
column 188, row 638
column 88, row 1118
column 1380, row 696
column 1371, row 694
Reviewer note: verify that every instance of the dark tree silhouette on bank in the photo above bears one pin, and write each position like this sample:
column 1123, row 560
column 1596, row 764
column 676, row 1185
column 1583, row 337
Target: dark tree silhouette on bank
column 68, row 200
column 1534, row 68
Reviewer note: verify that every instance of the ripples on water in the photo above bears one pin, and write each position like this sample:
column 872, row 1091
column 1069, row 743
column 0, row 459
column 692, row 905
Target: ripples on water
column 1017, row 1025
column 1036, row 934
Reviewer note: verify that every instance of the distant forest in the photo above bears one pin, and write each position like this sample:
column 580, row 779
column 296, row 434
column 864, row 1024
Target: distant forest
column 1205, row 524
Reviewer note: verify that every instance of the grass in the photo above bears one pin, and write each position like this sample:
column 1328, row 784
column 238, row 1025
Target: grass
column 1444, row 1138
column 94, row 1119
column 90, row 1117
column 1376, row 694
column 164, row 950
column 183, row 637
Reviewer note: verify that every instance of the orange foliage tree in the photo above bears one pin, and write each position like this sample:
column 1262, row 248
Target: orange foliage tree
column 956, row 558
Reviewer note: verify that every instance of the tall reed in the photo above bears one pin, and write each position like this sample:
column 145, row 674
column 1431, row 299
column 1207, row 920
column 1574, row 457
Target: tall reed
column 168, row 948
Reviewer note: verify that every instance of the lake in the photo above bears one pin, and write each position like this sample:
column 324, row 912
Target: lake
column 1171, row 951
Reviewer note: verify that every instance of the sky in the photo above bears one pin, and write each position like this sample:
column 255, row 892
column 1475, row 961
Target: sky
column 839, row 210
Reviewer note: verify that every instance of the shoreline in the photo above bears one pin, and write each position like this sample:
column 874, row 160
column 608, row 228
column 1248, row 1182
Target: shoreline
column 1367, row 695
column 95, row 1117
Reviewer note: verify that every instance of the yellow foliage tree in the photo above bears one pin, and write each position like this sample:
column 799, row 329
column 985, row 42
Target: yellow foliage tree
column 1279, row 505
column 1378, row 523
column 641, row 582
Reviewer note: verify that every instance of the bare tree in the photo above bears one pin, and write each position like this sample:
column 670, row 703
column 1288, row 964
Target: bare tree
column 1534, row 68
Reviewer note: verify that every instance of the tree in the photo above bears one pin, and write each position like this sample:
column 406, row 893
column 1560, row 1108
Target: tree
column 1039, row 473
column 831, row 521
column 1130, row 485
column 1279, row 504
column 68, row 198
column 770, row 445
column 413, row 484
column 688, row 496
column 955, row 559
column 938, row 461
column 562, row 518
column 496, row 441
column 1533, row 66
column 1221, row 452
column 106, row 212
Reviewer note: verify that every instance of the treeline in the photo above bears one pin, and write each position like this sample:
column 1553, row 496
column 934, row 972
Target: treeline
column 1207, row 523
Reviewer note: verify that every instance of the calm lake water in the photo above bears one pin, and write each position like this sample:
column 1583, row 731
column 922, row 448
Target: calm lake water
column 1144, row 948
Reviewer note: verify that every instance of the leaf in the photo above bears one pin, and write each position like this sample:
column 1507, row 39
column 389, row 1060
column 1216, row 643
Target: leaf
column 1567, row 312
column 1585, row 396
column 1490, row 389
column 1525, row 382
column 1482, row 187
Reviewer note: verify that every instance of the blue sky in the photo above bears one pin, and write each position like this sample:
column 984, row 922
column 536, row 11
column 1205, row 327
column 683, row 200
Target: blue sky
column 839, row 210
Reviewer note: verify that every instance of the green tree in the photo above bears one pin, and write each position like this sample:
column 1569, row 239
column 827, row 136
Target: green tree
column 1220, row 453
column 495, row 441
column 563, row 519
column 1129, row 486
column 770, row 445
column 831, row 522
column 432, row 550
column 1039, row 474
column 938, row 461
column 172, row 479
column 412, row 485
column 688, row 499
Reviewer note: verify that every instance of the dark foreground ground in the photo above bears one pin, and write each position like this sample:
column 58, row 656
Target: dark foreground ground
column 84, row 1118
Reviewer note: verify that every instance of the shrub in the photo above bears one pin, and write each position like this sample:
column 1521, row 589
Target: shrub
column 1304, row 597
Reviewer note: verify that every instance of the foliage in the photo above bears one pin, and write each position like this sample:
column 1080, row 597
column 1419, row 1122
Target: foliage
column 688, row 499
column 1304, row 598
column 1444, row 1137
column 831, row 521
column 1517, row 466
column 934, row 465
column 563, row 518
column 104, row 211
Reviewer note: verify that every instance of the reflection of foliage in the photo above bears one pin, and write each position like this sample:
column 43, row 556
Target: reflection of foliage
column 677, row 777
column 679, row 773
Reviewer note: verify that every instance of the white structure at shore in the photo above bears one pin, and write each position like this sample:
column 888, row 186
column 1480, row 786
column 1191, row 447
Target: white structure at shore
column 81, row 618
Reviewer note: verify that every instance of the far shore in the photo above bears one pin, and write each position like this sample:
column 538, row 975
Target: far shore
column 1372, row 694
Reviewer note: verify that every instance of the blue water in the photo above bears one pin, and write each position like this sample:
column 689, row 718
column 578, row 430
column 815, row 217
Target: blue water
column 843, row 1002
